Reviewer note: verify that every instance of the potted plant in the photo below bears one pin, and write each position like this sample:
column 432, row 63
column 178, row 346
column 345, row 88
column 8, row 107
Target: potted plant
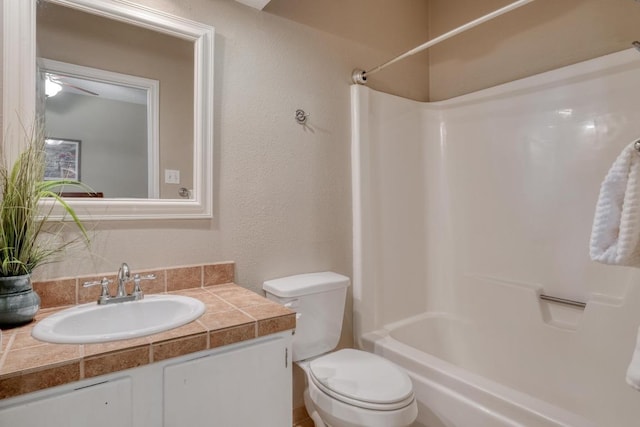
column 28, row 238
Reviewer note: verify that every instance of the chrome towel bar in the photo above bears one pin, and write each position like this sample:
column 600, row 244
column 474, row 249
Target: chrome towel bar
column 563, row 301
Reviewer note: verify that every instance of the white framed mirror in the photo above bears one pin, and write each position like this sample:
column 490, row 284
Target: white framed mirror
column 20, row 103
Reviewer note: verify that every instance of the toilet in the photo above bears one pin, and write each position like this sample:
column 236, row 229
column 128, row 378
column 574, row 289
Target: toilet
column 345, row 388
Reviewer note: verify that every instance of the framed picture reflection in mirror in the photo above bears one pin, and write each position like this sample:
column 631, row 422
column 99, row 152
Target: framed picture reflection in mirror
column 62, row 159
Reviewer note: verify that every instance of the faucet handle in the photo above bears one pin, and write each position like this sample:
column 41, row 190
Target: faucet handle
column 137, row 292
column 104, row 295
column 104, row 282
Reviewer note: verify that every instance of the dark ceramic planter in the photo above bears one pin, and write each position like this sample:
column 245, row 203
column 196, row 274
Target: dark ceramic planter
column 18, row 302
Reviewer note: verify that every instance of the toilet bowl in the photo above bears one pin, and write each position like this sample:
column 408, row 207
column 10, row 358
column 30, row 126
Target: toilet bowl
column 345, row 388
column 353, row 388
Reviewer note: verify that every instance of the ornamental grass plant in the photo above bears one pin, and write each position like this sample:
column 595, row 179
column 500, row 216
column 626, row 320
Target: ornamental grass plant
column 29, row 237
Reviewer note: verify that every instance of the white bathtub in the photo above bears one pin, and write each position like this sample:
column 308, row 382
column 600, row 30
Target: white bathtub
column 451, row 396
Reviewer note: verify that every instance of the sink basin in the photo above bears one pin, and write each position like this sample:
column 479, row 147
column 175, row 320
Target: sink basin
column 93, row 323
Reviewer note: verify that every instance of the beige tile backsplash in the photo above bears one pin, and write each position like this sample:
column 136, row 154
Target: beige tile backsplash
column 69, row 291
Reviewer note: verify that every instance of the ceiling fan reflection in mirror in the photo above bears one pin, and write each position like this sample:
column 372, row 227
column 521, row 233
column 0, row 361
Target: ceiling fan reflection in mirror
column 97, row 83
column 54, row 84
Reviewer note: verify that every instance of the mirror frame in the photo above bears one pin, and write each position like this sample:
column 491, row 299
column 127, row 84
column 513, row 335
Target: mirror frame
column 19, row 102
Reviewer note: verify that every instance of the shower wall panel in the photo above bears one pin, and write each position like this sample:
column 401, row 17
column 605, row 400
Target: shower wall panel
column 500, row 184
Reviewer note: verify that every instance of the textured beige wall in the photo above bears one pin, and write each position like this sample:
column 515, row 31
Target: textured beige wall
column 391, row 27
column 538, row 37
column 68, row 35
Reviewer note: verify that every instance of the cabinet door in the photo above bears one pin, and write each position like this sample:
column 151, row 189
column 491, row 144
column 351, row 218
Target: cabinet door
column 106, row 404
column 241, row 387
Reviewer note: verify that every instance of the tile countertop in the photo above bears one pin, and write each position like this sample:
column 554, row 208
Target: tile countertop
column 233, row 314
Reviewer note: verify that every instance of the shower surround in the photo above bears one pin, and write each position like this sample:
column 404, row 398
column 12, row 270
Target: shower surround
column 465, row 212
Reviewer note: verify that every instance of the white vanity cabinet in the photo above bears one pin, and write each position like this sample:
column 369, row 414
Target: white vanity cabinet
column 248, row 386
column 240, row 385
column 102, row 405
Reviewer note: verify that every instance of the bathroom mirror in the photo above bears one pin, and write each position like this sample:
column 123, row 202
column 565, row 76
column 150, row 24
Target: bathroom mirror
column 179, row 173
column 113, row 117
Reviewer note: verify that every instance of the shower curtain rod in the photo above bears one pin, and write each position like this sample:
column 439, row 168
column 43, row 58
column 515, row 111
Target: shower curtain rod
column 360, row 76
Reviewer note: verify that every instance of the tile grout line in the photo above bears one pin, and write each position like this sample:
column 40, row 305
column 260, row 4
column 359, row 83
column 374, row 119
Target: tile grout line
column 5, row 353
column 165, row 280
column 82, row 359
column 233, row 306
column 208, row 333
column 256, row 321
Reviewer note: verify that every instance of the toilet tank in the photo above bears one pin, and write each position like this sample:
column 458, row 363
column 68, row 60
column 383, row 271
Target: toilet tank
column 318, row 299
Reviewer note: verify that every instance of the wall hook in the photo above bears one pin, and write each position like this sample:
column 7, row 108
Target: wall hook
column 301, row 117
column 184, row 192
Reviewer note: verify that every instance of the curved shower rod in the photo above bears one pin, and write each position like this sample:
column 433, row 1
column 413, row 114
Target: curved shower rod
column 360, row 76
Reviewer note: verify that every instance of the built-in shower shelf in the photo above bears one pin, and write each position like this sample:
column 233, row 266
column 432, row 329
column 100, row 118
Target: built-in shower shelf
column 561, row 313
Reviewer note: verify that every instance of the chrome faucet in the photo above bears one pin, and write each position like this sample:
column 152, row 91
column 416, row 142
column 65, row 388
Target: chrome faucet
column 124, row 276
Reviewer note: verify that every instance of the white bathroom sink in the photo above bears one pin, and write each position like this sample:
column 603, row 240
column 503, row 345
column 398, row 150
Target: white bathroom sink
column 93, row 323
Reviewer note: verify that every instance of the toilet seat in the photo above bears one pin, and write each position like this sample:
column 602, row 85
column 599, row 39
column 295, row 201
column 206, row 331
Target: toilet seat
column 362, row 379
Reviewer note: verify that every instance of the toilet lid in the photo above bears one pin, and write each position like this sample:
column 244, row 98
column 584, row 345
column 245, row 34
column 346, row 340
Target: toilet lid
column 363, row 379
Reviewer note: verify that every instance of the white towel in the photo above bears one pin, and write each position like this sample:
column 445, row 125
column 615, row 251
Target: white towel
column 615, row 235
column 633, row 371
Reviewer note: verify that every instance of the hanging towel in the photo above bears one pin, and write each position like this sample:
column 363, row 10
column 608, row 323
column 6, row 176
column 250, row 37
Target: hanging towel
column 633, row 371
column 615, row 235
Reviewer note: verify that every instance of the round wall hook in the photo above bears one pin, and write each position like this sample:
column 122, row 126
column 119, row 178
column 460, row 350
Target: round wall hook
column 184, row 192
column 301, row 117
